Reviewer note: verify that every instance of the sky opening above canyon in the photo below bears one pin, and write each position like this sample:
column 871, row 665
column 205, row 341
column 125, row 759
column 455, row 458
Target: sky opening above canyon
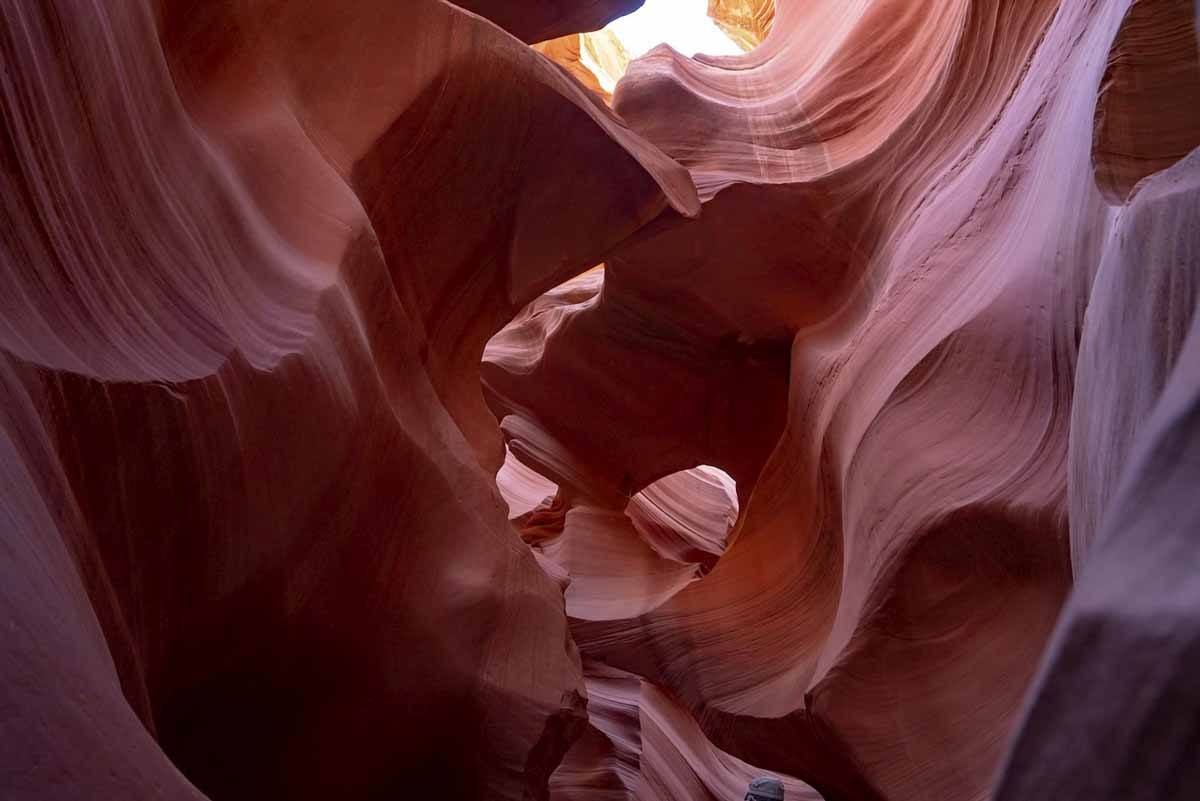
column 682, row 24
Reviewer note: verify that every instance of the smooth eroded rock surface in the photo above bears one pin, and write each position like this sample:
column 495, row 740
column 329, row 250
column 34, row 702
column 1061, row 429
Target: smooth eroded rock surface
column 384, row 415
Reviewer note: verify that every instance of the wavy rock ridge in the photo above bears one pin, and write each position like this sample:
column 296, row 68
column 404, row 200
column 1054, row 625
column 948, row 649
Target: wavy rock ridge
column 866, row 458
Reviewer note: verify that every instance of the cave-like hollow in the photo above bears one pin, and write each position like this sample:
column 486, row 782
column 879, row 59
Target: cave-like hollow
column 544, row 400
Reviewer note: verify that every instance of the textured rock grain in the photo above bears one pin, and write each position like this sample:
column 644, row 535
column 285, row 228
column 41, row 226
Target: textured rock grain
column 383, row 415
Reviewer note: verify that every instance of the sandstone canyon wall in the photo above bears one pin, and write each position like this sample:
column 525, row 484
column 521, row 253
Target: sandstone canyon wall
column 383, row 415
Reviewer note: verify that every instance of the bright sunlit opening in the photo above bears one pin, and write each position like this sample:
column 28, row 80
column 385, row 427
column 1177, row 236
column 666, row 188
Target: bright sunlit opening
column 683, row 24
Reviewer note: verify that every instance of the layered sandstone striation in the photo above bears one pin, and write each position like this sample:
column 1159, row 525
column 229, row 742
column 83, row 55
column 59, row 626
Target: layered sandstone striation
column 910, row 310
column 383, row 415
column 253, row 544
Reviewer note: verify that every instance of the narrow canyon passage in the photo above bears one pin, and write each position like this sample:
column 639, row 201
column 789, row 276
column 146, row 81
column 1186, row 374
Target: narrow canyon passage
column 621, row 400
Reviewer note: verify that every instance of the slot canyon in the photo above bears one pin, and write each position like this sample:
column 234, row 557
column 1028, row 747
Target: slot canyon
column 402, row 399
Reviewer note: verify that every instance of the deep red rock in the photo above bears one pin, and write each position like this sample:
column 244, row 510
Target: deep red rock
column 334, row 465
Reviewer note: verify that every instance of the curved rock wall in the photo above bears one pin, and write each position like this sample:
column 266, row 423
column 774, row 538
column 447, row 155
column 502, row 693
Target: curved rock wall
column 332, row 465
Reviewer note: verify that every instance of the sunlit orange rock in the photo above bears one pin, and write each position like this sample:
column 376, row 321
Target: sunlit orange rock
column 746, row 22
column 597, row 60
